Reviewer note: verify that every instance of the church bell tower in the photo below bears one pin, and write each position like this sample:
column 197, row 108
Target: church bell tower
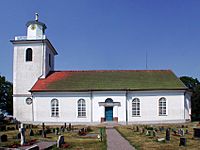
column 33, row 58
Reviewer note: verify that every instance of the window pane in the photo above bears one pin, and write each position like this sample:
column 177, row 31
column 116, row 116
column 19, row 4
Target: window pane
column 135, row 107
column 81, row 108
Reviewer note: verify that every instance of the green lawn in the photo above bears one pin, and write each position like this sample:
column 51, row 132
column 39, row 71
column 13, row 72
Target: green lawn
column 142, row 142
column 72, row 138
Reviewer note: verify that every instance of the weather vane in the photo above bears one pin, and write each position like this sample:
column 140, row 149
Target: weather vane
column 36, row 16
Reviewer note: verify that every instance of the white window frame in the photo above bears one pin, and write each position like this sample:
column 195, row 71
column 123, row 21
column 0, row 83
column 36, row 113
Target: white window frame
column 162, row 106
column 54, row 108
column 81, row 108
column 135, row 107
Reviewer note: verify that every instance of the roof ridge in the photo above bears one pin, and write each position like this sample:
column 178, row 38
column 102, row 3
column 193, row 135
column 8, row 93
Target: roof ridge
column 112, row 70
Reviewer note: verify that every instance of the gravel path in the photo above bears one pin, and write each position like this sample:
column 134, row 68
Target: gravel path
column 115, row 141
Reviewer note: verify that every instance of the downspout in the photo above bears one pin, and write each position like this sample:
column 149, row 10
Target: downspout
column 91, row 98
column 126, row 108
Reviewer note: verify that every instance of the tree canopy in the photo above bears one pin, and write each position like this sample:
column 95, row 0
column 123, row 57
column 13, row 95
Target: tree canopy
column 194, row 86
column 6, row 99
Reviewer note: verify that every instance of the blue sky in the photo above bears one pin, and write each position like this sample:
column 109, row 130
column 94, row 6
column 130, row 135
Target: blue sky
column 109, row 34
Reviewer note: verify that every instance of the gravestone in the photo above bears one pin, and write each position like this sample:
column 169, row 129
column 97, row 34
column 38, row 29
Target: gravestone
column 182, row 141
column 167, row 135
column 143, row 130
column 82, row 131
column 18, row 135
column 62, row 129
column 196, row 132
column 60, row 141
column 69, row 128
column 17, row 126
column 31, row 133
column 137, row 129
column 161, row 139
column 4, row 138
column 2, row 127
column 22, row 130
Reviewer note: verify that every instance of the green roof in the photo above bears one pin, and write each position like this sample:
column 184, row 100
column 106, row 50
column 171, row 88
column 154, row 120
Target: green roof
column 109, row 80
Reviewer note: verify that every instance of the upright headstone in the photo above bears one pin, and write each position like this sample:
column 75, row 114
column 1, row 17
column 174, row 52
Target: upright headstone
column 167, row 135
column 18, row 135
column 31, row 133
column 17, row 126
column 143, row 130
column 196, row 132
column 182, row 141
column 60, row 141
column 22, row 131
column 62, row 129
column 70, row 126
column 137, row 129
column 4, row 138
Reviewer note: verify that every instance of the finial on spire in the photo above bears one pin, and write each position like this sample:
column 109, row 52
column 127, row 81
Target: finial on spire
column 36, row 16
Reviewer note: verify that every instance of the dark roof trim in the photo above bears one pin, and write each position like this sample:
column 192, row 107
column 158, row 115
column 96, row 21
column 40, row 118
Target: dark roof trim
column 90, row 90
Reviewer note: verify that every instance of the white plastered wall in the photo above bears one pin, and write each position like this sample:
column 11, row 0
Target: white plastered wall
column 149, row 111
column 67, row 107
column 148, row 102
column 22, row 111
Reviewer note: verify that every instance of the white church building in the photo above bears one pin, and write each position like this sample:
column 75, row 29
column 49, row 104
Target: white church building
column 41, row 94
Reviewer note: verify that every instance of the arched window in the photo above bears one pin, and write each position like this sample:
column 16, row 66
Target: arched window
column 162, row 106
column 54, row 108
column 135, row 107
column 29, row 54
column 81, row 108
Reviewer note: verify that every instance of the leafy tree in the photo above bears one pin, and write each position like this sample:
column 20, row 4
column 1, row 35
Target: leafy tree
column 6, row 100
column 194, row 86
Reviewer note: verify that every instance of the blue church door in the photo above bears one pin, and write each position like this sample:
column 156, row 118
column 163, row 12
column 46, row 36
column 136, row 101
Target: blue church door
column 109, row 113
